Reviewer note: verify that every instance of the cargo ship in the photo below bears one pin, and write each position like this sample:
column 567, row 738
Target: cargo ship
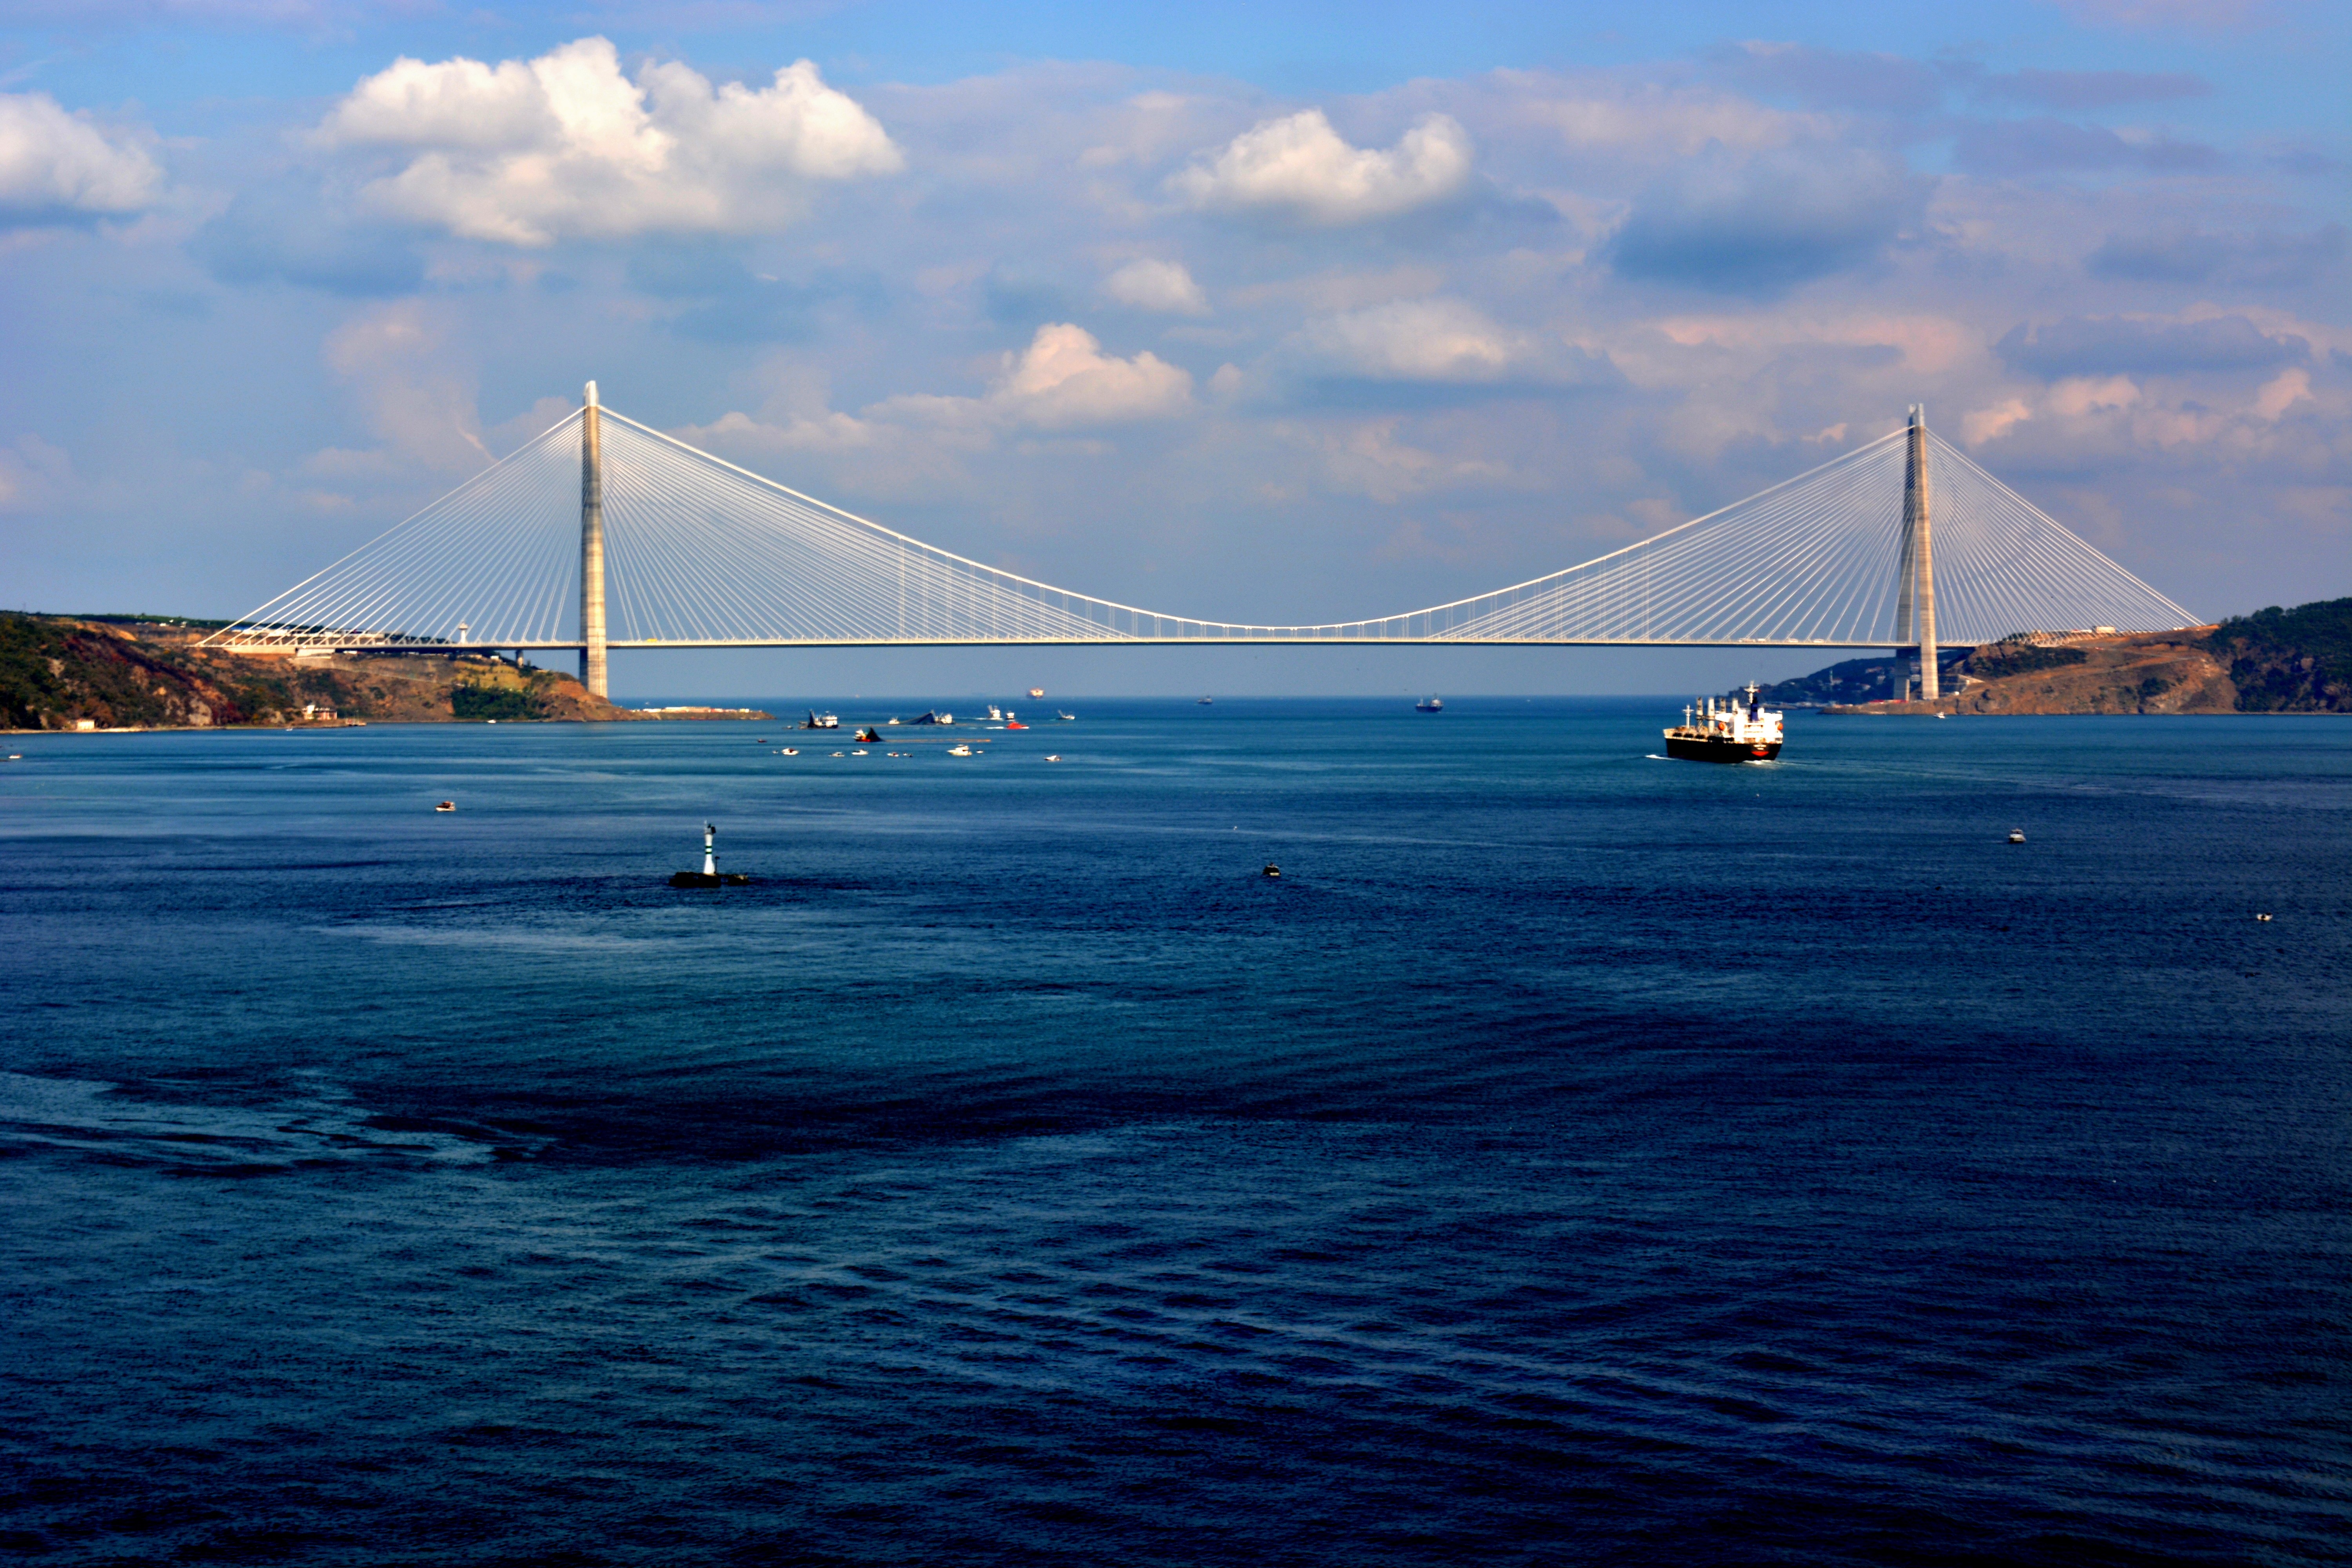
column 1727, row 733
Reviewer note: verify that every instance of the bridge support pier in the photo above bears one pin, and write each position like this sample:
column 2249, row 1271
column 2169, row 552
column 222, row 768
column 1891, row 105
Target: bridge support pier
column 592, row 672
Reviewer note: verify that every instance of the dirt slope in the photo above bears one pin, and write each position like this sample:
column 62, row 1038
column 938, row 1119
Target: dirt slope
column 2148, row 672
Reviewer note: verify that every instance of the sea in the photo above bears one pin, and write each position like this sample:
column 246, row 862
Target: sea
column 1572, row 1157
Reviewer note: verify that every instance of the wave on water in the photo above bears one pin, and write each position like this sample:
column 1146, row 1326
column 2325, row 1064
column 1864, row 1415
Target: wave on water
column 312, row 1125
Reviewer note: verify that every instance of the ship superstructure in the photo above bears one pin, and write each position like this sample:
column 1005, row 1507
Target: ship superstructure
column 1716, row 731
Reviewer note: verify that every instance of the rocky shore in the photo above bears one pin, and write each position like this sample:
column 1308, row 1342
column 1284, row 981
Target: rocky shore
column 65, row 673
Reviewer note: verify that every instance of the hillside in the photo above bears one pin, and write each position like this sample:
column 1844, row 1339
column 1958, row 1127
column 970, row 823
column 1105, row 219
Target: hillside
column 55, row 672
column 2274, row 661
column 2290, row 661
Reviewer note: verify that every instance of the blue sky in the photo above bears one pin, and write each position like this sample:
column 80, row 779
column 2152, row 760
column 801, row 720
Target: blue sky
column 1253, row 312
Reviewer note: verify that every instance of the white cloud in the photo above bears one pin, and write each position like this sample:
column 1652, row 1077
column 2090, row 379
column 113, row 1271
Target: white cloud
column 1649, row 124
column 53, row 161
column 1163, row 286
column 2282, row 394
column 1062, row 381
column 413, row 391
column 526, row 153
column 1413, row 340
column 1300, row 167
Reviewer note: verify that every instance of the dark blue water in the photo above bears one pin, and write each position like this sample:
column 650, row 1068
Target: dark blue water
column 1573, row 1158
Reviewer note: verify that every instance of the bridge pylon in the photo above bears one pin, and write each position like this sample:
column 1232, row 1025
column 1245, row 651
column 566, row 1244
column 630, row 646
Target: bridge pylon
column 1914, row 573
column 593, row 675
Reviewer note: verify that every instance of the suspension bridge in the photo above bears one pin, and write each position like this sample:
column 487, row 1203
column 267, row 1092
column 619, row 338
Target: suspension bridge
column 1903, row 542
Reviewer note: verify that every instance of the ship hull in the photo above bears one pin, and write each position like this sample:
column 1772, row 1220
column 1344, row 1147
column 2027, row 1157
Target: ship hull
column 1715, row 750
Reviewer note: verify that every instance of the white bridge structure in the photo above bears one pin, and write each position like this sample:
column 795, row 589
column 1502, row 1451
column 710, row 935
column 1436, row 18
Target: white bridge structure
column 676, row 548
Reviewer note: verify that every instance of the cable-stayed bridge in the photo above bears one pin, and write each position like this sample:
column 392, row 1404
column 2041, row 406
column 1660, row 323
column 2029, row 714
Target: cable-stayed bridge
column 603, row 534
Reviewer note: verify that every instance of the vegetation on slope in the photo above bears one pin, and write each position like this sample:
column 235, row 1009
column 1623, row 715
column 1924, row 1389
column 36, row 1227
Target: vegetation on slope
column 2290, row 661
column 56, row 672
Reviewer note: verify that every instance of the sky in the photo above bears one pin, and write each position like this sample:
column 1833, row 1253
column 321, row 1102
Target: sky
column 1262, row 313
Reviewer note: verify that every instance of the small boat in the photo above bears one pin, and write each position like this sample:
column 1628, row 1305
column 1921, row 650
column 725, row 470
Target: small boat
column 1014, row 724
column 1036, row 691
column 1053, row 756
column 2016, row 836
column 1271, row 870
column 1432, row 705
column 1062, row 718
column 817, row 720
column 791, row 750
column 861, row 751
column 445, row 805
column 839, row 754
column 1205, row 702
column 959, row 750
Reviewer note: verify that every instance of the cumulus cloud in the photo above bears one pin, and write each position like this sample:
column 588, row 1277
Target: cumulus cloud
column 1756, row 224
column 1166, row 287
column 1062, row 381
column 414, row 395
column 528, row 152
column 1413, row 340
column 55, row 164
column 2126, row 345
column 1299, row 167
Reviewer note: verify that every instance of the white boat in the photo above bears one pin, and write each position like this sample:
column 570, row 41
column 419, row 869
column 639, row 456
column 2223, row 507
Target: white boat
column 859, row 752
column 959, row 750
column 791, row 750
column 1054, row 756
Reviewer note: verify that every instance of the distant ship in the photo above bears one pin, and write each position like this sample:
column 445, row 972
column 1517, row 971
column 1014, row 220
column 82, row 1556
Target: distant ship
column 817, row 720
column 1726, row 734
column 1433, row 705
column 1205, row 702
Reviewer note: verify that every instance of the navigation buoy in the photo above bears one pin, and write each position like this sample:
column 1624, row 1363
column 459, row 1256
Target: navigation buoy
column 2016, row 836
column 710, row 875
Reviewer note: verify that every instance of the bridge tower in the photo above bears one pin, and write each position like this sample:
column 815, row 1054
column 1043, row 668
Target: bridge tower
column 593, row 673
column 1914, row 575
